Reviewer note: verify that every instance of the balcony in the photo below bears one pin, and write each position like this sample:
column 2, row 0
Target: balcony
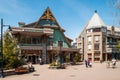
column 49, row 48
column 31, row 46
column 110, row 46
column 112, row 43
column 112, row 50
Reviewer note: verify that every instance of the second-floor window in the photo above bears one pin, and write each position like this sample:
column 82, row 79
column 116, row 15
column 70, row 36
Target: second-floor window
column 34, row 40
column 51, row 43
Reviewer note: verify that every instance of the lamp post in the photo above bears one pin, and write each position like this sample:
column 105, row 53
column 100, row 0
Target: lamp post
column 1, row 54
column 60, row 54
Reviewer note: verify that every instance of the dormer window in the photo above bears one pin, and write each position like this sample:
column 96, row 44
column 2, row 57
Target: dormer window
column 96, row 30
column 89, row 30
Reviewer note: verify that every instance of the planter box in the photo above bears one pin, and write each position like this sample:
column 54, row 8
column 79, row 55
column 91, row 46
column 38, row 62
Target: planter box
column 57, row 67
column 53, row 67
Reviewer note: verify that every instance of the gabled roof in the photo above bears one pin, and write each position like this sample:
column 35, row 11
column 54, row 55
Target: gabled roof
column 95, row 21
column 47, row 19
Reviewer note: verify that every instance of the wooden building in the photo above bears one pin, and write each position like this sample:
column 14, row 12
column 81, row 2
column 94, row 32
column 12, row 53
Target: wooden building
column 41, row 39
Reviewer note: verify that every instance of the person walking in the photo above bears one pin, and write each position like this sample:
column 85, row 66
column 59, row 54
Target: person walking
column 113, row 63
column 89, row 63
column 40, row 61
column 86, row 63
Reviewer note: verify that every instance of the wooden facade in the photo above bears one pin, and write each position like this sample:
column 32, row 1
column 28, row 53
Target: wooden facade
column 40, row 39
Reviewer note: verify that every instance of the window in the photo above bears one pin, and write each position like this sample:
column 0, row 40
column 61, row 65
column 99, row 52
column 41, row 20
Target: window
column 89, row 30
column 96, row 30
column 51, row 43
column 89, row 39
column 90, row 55
column 103, row 29
column 79, row 44
column 23, row 40
column 29, row 40
column 60, row 43
column 89, row 47
column 96, row 46
column 34, row 40
column 96, row 38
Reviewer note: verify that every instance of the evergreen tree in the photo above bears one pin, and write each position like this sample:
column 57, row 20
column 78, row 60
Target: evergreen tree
column 118, row 45
column 77, row 57
column 10, row 52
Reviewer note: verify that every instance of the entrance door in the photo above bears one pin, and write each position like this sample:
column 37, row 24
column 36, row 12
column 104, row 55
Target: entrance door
column 29, row 59
column 33, row 59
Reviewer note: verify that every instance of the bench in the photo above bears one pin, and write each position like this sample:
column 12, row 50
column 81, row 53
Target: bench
column 21, row 70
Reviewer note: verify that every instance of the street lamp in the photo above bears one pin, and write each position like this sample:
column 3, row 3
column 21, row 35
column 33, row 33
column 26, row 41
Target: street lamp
column 60, row 43
column 2, row 61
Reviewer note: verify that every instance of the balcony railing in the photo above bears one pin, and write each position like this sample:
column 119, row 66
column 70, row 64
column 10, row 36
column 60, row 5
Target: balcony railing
column 114, row 50
column 31, row 46
column 22, row 44
column 110, row 46
column 112, row 43
column 40, row 47
column 63, row 49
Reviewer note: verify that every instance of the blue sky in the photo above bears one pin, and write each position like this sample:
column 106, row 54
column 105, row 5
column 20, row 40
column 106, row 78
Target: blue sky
column 72, row 15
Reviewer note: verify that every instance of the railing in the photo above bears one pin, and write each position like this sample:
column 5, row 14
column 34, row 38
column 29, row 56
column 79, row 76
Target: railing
column 115, row 35
column 112, row 43
column 110, row 46
column 22, row 44
column 115, row 50
column 31, row 46
column 40, row 47
column 63, row 49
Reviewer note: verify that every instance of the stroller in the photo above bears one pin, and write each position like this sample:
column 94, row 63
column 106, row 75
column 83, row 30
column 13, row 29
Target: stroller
column 90, row 64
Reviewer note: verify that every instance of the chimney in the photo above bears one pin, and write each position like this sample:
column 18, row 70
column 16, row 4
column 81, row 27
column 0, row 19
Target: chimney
column 21, row 24
column 112, row 30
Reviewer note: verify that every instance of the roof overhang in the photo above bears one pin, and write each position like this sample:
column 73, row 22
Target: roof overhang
column 49, row 48
column 32, row 31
